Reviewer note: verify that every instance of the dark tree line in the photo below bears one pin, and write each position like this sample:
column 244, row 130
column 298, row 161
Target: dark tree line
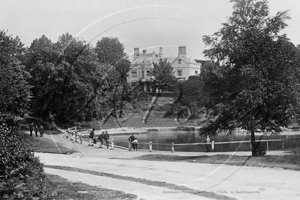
column 69, row 78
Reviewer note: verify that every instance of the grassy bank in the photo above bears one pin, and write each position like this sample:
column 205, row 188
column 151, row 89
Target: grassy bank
column 169, row 186
column 60, row 188
column 44, row 145
column 291, row 162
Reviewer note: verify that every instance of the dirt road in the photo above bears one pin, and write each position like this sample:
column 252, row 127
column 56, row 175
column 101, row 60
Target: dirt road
column 239, row 182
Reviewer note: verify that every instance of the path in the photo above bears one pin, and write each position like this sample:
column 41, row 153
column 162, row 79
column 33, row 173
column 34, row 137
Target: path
column 235, row 181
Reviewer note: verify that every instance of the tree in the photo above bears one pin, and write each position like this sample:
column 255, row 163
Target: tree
column 41, row 60
column 258, row 73
column 65, row 77
column 21, row 173
column 14, row 89
column 110, row 50
column 163, row 74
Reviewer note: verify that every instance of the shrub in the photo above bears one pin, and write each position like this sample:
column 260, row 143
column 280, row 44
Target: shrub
column 21, row 174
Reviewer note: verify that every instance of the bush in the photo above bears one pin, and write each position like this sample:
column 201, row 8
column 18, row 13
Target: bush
column 21, row 174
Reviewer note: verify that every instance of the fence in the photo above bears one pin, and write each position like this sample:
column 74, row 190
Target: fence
column 211, row 146
column 245, row 145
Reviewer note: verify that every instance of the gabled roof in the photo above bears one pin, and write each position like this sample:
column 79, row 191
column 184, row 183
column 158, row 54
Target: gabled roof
column 187, row 60
column 181, row 57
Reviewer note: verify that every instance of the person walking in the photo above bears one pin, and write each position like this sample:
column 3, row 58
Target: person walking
column 92, row 135
column 31, row 128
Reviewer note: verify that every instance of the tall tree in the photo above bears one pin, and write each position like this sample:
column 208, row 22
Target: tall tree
column 110, row 50
column 14, row 89
column 41, row 59
column 163, row 74
column 64, row 76
column 110, row 53
column 258, row 71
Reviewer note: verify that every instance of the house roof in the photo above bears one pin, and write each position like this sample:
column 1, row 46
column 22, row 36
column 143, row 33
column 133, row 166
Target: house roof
column 155, row 59
column 188, row 60
column 146, row 60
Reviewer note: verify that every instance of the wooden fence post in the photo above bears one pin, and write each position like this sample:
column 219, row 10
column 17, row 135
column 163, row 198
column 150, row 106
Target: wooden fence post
column 267, row 145
column 129, row 145
column 112, row 143
column 172, row 147
column 150, row 146
column 282, row 143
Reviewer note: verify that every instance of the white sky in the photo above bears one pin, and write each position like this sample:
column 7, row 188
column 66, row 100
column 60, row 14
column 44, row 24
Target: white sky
column 146, row 24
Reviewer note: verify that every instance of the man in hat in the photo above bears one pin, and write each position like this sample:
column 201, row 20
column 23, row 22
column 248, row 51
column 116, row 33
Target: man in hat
column 92, row 135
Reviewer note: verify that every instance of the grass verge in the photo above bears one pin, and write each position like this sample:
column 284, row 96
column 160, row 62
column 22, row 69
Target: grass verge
column 44, row 145
column 169, row 186
column 291, row 162
column 61, row 188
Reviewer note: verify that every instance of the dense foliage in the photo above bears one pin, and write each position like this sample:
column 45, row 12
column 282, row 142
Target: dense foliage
column 14, row 88
column 21, row 174
column 67, row 79
column 73, row 80
column 163, row 75
column 255, row 85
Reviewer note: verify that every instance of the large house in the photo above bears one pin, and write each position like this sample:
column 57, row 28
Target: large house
column 142, row 63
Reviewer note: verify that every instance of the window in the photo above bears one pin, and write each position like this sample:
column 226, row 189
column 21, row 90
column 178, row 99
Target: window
column 133, row 84
column 133, row 74
column 179, row 61
column 196, row 72
column 179, row 72
column 148, row 73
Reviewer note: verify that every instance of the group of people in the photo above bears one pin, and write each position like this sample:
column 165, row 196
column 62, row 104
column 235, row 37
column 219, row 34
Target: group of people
column 73, row 134
column 102, row 138
column 36, row 128
column 133, row 142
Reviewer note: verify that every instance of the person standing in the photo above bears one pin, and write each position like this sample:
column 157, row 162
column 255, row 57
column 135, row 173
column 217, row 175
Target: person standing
column 131, row 138
column 36, row 130
column 41, row 129
column 101, row 138
column 107, row 138
column 135, row 144
column 92, row 135
column 31, row 128
column 207, row 142
column 75, row 133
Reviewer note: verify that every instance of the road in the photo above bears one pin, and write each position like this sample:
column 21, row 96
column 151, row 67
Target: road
column 240, row 182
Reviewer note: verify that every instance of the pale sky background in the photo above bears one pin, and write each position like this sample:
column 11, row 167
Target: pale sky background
column 146, row 24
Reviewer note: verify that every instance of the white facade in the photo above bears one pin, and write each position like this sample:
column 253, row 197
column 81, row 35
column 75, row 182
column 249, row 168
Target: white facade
column 183, row 66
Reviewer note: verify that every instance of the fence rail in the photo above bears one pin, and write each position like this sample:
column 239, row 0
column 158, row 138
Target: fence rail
column 212, row 144
column 173, row 146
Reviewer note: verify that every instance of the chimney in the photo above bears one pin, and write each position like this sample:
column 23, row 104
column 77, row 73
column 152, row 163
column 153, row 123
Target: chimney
column 136, row 53
column 182, row 51
column 160, row 51
column 144, row 51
